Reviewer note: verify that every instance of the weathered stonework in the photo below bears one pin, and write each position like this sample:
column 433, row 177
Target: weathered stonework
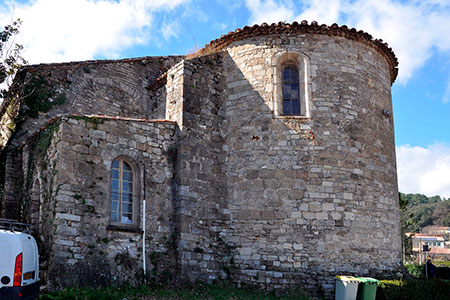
column 311, row 196
column 234, row 189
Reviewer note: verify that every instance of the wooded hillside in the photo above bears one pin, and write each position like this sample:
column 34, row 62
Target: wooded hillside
column 419, row 211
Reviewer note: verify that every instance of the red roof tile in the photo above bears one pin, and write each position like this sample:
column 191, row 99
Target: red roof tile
column 304, row 27
column 439, row 251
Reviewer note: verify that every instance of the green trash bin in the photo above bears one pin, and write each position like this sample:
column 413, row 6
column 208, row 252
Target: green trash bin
column 367, row 288
column 346, row 287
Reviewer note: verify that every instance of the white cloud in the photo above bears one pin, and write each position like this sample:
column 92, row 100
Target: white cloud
column 323, row 11
column 269, row 11
column 414, row 28
column 424, row 170
column 170, row 30
column 55, row 30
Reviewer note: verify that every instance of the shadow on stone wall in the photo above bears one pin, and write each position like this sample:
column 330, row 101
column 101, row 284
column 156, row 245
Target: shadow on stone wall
column 307, row 198
column 93, row 272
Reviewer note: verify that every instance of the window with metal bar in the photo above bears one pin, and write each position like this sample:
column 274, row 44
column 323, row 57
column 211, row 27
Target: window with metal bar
column 121, row 192
column 291, row 95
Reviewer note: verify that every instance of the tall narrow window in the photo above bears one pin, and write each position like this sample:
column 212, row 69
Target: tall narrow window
column 121, row 192
column 291, row 95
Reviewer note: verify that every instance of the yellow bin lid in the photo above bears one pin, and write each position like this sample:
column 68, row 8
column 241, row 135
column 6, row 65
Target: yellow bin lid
column 348, row 278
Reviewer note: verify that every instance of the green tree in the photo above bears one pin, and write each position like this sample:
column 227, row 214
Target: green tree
column 402, row 200
column 441, row 213
column 10, row 85
column 419, row 211
column 10, row 57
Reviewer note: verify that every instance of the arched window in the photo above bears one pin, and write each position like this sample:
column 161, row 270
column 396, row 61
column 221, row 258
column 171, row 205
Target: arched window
column 292, row 86
column 123, row 210
column 291, row 95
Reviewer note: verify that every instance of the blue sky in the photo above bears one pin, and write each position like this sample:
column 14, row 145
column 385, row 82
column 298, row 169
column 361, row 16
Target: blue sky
column 417, row 30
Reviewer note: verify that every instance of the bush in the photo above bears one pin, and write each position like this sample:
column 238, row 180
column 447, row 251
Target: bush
column 442, row 263
column 418, row 271
column 417, row 289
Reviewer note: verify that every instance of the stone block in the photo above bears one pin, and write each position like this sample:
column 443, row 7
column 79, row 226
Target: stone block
column 66, row 230
column 308, row 215
column 348, row 196
column 244, row 214
column 296, row 215
column 69, row 217
column 327, row 206
column 315, row 206
column 63, row 242
column 268, row 214
column 255, row 214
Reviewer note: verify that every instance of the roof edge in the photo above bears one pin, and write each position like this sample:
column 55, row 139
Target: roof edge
column 303, row 27
column 44, row 66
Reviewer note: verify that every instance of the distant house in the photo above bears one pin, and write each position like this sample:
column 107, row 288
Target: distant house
column 434, row 241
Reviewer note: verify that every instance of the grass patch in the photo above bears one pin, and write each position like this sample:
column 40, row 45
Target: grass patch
column 198, row 291
column 108, row 293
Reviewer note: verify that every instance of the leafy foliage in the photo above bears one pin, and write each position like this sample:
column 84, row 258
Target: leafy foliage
column 10, row 56
column 442, row 263
column 403, row 201
column 39, row 96
column 417, row 289
column 420, row 211
column 417, row 199
column 416, row 270
column 44, row 139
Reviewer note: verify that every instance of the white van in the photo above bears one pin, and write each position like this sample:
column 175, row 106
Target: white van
column 19, row 262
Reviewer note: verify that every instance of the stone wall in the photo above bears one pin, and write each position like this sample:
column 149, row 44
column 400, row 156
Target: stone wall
column 314, row 196
column 174, row 90
column 12, row 176
column 201, row 207
column 83, row 248
column 111, row 88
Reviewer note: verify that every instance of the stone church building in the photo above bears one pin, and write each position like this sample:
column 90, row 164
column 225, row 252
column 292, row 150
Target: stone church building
column 265, row 158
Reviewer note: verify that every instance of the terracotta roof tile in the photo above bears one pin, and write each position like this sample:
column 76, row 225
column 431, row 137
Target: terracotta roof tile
column 159, row 82
column 439, row 251
column 304, row 27
column 427, row 234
